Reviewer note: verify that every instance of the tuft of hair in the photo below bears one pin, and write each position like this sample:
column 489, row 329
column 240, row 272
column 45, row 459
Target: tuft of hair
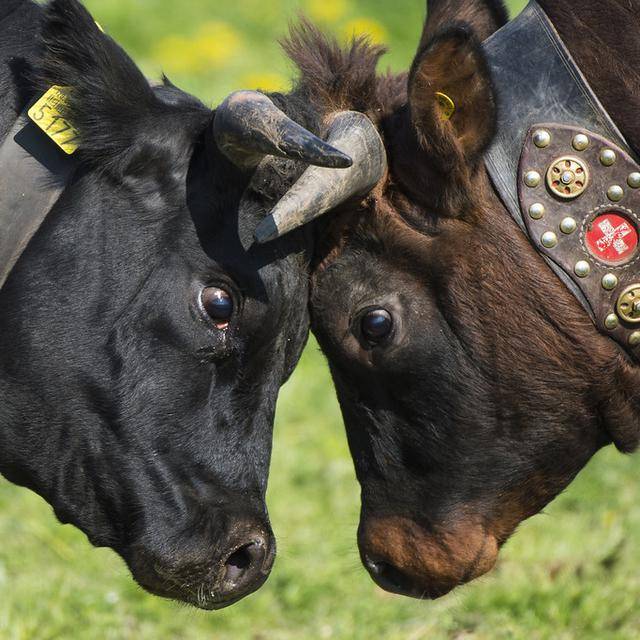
column 111, row 103
column 334, row 76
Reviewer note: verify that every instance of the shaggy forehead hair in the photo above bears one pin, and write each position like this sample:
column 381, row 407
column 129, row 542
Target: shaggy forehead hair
column 335, row 78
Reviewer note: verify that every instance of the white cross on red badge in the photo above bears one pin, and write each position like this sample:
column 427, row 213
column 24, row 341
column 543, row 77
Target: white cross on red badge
column 611, row 237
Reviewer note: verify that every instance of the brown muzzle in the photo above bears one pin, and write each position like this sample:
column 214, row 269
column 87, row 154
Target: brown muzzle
column 406, row 558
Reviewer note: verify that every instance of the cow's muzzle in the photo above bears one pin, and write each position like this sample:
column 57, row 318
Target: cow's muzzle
column 237, row 565
column 406, row 558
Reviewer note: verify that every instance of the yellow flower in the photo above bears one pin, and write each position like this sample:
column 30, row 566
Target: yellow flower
column 174, row 54
column 266, row 81
column 326, row 10
column 216, row 42
column 367, row 27
column 213, row 45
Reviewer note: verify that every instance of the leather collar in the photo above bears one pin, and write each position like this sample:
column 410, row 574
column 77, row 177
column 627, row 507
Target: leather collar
column 33, row 175
column 544, row 102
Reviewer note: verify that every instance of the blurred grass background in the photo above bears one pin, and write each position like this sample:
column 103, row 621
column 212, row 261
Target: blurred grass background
column 571, row 573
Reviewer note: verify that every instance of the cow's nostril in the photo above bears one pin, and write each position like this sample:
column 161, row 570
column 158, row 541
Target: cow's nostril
column 384, row 572
column 388, row 576
column 244, row 559
column 247, row 567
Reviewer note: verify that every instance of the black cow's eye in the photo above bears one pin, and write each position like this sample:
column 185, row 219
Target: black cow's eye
column 218, row 305
column 376, row 325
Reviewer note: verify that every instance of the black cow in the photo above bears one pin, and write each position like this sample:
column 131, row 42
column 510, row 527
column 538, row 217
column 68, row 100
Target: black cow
column 473, row 385
column 143, row 339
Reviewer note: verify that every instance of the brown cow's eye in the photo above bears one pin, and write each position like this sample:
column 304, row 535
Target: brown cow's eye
column 218, row 305
column 376, row 325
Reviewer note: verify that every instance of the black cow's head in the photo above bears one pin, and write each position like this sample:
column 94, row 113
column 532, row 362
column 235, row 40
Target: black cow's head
column 472, row 384
column 143, row 337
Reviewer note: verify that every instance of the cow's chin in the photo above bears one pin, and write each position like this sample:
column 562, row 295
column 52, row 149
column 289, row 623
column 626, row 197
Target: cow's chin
column 203, row 596
column 405, row 558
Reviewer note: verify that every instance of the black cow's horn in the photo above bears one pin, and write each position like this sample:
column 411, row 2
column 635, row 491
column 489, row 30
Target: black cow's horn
column 319, row 190
column 248, row 126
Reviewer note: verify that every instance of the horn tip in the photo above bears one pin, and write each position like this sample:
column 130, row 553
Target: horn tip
column 266, row 231
column 332, row 158
column 342, row 161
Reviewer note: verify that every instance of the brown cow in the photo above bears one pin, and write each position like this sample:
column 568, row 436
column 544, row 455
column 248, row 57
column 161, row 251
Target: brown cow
column 473, row 385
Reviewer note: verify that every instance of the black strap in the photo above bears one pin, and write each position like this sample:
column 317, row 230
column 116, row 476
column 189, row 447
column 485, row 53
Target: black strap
column 33, row 175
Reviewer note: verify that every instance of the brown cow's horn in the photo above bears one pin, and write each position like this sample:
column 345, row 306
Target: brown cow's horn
column 319, row 190
column 248, row 126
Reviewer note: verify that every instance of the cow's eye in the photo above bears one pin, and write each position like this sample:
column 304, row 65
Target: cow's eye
column 376, row 325
column 218, row 305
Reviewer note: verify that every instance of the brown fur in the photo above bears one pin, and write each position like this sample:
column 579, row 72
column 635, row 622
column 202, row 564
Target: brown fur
column 485, row 17
column 497, row 388
column 332, row 77
column 604, row 39
column 442, row 558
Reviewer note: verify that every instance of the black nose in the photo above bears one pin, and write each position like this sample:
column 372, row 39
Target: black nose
column 391, row 578
column 246, row 566
column 206, row 575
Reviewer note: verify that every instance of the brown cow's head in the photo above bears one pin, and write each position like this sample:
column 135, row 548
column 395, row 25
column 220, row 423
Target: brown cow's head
column 473, row 385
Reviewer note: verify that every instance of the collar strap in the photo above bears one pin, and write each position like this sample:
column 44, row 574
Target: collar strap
column 33, row 175
column 565, row 173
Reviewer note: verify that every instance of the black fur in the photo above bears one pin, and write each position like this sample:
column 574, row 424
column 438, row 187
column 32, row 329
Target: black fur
column 122, row 405
column 498, row 12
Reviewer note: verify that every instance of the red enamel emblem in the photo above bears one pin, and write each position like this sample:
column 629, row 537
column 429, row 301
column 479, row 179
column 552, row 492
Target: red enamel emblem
column 612, row 238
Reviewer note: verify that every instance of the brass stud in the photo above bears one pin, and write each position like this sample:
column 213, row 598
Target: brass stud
column 582, row 268
column 568, row 225
column 580, row 142
column 532, row 178
column 628, row 305
column 609, row 281
column 536, row 210
column 615, row 193
column 549, row 239
column 611, row 321
column 567, row 177
column 607, row 157
column 541, row 138
column 634, row 180
column 634, row 339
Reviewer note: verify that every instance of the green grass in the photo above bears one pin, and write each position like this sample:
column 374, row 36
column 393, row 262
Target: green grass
column 571, row 573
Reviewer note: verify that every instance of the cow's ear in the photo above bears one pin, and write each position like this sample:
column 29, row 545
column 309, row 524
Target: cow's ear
column 483, row 16
column 122, row 122
column 451, row 100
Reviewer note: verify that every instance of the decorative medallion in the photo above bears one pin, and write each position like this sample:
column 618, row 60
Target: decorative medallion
column 628, row 306
column 580, row 202
column 567, row 177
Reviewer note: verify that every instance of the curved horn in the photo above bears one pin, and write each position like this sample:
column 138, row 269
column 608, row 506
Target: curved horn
column 248, row 126
column 319, row 190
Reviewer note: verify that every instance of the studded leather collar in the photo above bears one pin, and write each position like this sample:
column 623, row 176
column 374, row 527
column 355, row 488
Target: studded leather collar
column 566, row 174
column 33, row 175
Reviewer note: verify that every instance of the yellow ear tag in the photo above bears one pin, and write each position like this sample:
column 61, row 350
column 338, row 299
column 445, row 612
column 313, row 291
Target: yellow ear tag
column 46, row 113
column 446, row 104
column 99, row 26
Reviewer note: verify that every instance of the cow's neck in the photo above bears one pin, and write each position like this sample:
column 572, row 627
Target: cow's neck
column 604, row 37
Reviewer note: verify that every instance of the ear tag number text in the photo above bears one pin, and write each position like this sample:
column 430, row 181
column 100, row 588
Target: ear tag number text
column 47, row 114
